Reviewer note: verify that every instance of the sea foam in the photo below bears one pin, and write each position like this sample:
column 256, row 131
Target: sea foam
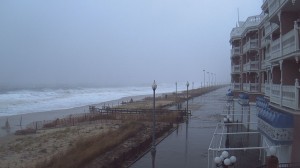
column 28, row 101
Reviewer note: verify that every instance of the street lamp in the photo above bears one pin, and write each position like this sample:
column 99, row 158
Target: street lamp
column 208, row 78
column 176, row 96
column 204, row 77
column 187, row 97
column 212, row 79
column 153, row 150
column 224, row 160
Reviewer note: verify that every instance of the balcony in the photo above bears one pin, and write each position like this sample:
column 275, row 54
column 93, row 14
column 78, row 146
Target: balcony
column 250, row 45
column 251, row 87
column 270, row 27
column 235, row 51
column 289, row 44
column 267, row 90
column 236, row 69
column 285, row 95
column 275, row 49
column 251, row 21
column 264, row 42
column 251, row 66
column 274, row 5
column 236, row 86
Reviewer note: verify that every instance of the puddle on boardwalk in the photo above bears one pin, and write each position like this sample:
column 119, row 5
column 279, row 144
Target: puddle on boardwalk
column 188, row 145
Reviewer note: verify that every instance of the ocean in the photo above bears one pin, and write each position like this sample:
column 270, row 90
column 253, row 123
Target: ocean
column 24, row 101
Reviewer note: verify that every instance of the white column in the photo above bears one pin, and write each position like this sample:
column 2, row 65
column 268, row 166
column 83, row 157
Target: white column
column 280, row 32
column 296, row 94
column 281, row 81
column 296, row 31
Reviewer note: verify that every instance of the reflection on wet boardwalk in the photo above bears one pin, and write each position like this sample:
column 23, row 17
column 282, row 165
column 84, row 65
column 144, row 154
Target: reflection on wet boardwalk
column 187, row 146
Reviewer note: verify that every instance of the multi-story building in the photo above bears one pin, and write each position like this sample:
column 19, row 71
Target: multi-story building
column 265, row 61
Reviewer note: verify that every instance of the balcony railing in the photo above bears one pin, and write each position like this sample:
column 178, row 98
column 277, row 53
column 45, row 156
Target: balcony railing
column 270, row 27
column 285, row 95
column 236, row 68
column 289, row 42
column 250, row 22
column 275, row 49
column 251, row 44
column 236, row 86
column 267, row 90
column 274, row 5
column 251, row 66
column 235, row 51
column 251, row 87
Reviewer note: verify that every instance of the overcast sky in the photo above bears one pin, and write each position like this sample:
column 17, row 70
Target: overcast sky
column 116, row 42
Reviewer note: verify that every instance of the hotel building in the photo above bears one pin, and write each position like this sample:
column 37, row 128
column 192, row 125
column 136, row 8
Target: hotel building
column 265, row 62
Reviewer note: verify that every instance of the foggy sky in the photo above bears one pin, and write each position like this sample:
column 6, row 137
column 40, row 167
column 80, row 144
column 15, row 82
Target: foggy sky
column 116, row 42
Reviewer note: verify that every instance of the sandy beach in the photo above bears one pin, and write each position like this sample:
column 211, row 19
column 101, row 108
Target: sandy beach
column 14, row 120
column 28, row 150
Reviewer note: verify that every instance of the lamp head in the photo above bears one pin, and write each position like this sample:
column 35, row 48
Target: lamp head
column 227, row 162
column 218, row 160
column 187, row 84
column 154, row 86
column 232, row 159
column 225, row 154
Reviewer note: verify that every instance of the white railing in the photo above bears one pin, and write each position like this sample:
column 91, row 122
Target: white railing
column 246, row 87
column 267, row 90
column 236, row 51
column 289, row 42
column 237, row 86
column 275, row 93
column 262, row 88
column 268, row 28
column 264, row 42
column 268, row 56
column 274, row 5
column 289, row 96
column 254, row 87
column 285, row 95
column 236, row 68
column 275, row 49
column 251, row 44
column 250, row 22
column 251, row 66
column 251, row 87
column 265, row 64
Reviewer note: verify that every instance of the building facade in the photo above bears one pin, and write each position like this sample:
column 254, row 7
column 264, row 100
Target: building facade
column 265, row 65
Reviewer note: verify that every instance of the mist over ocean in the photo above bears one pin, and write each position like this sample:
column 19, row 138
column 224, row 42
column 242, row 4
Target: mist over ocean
column 22, row 101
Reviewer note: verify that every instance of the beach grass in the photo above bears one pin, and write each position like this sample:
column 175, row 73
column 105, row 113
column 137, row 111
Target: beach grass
column 87, row 149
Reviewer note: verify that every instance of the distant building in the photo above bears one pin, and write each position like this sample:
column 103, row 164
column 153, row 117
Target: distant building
column 265, row 62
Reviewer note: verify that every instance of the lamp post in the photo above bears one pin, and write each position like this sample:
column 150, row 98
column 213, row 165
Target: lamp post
column 176, row 96
column 212, row 79
column 153, row 150
column 215, row 79
column 208, row 78
column 204, row 77
column 224, row 160
column 187, row 97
